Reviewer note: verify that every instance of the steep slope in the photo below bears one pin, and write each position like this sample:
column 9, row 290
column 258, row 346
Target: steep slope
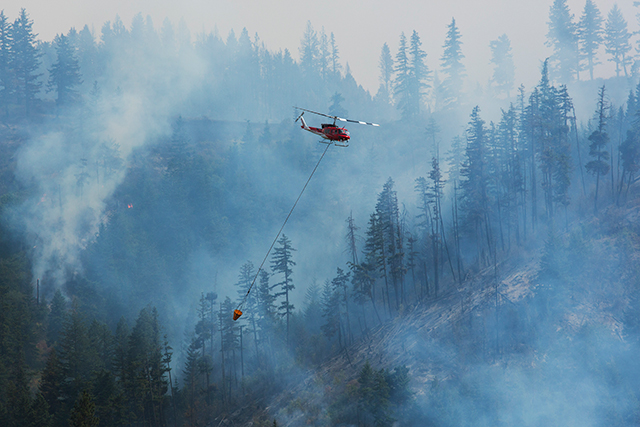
column 543, row 337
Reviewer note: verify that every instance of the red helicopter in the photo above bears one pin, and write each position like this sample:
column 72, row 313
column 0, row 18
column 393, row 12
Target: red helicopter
column 331, row 133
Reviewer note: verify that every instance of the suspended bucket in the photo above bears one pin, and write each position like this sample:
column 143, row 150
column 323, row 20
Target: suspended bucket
column 236, row 314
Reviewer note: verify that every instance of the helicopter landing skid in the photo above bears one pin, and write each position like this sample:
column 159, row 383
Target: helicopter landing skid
column 340, row 145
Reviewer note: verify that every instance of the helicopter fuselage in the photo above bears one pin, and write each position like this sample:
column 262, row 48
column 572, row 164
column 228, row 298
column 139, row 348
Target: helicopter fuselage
column 328, row 131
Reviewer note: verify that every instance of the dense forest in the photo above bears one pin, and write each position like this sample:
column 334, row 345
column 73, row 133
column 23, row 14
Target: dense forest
column 444, row 269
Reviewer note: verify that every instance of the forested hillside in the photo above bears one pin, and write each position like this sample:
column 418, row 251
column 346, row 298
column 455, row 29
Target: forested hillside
column 472, row 261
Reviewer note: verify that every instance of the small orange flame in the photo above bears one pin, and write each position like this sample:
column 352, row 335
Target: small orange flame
column 129, row 206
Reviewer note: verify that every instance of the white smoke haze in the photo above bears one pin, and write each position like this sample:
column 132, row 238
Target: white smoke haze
column 68, row 165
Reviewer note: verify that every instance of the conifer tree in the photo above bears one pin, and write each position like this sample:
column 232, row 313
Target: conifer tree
column 76, row 355
column 25, row 61
column 376, row 260
column 57, row 316
column 146, row 366
column 245, row 279
column 51, row 384
column 385, row 64
column 330, row 302
column 420, row 74
column 40, row 412
column 309, row 51
column 88, row 55
column 5, row 63
column 451, row 62
column 64, row 75
column 324, row 54
column 616, row 40
column 599, row 138
column 503, row 67
column 83, row 413
column 474, row 173
column 435, row 196
column 339, row 285
column 335, row 109
column 335, row 56
column 562, row 38
column 391, row 243
column 281, row 262
column 401, row 83
column 590, row 35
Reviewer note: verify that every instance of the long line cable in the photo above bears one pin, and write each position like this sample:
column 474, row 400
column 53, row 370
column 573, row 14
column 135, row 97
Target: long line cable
column 281, row 228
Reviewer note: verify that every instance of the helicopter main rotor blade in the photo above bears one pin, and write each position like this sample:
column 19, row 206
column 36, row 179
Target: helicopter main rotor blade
column 338, row 118
column 357, row 121
column 320, row 114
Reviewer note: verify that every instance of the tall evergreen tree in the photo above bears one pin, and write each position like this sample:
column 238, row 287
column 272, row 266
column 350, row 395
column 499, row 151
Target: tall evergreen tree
column 562, row 38
column 309, row 51
column 335, row 56
column 420, row 73
column 451, row 63
column 25, row 61
column 281, row 262
column 5, row 63
column 391, row 243
column 385, row 65
column 411, row 78
column 84, row 412
column 590, row 35
column 64, row 75
column 401, row 83
column 474, row 180
column 616, row 39
column 504, row 72
column 599, row 138
column 57, row 314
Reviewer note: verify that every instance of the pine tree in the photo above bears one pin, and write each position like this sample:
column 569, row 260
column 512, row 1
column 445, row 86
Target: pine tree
column 435, row 196
column 146, row 367
column 335, row 57
column 402, row 81
column 504, row 69
column 64, row 74
column 385, row 64
column 452, row 63
column 25, row 61
column 309, row 51
column 40, row 412
column 51, row 385
column 420, row 74
column 324, row 55
column 391, row 246
column 339, row 286
column 84, row 412
column 590, row 34
column 330, row 301
column 599, row 138
column 375, row 262
column 5, row 63
column 474, row 175
column 281, row 263
column 57, row 314
column 562, row 37
column 76, row 355
column 88, row 55
column 616, row 40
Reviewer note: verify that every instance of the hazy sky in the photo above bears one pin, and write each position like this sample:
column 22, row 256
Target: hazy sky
column 360, row 27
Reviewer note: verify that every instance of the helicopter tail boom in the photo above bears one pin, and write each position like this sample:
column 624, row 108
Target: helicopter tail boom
column 304, row 124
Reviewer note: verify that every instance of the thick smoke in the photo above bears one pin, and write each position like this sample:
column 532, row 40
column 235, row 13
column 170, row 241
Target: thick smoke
column 74, row 162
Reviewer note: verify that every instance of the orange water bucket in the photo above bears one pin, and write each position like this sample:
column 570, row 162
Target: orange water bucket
column 236, row 314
